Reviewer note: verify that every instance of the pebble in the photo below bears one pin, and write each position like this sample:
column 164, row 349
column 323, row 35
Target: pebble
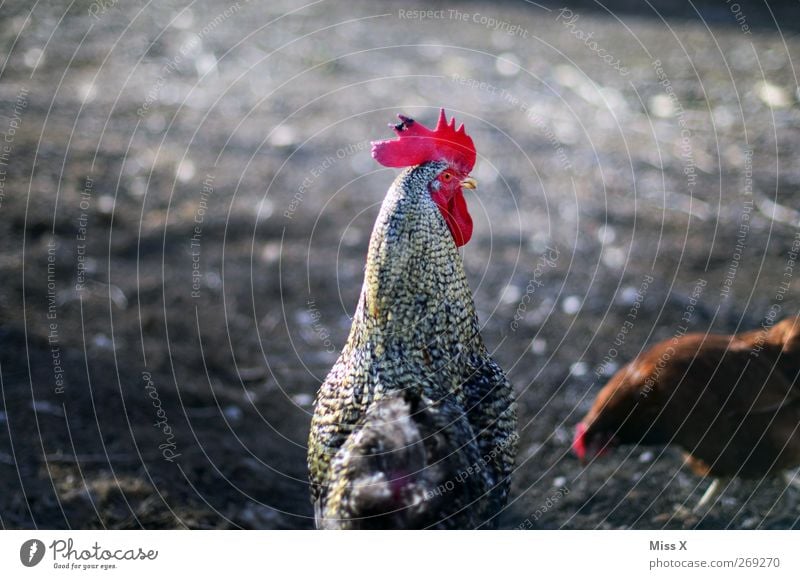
column 579, row 369
column 511, row 294
column 183, row 20
column 724, row 117
column 233, row 413
column 33, row 57
column 540, row 242
column 538, row 346
column 303, row 399
column 264, row 209
column 213, row 280
column 751, row 523
column 507, row 64
column 117, row 296
column 283, row 136
column 45, row 407
column 105, row 204
column 102, row 341
column 571, row 305
column 567, row 211
column 271, row 252
column 628, row 296
column 185, row 171
column 661, row 105
column 662, row 518
column 567, row 75
column 562, row 435
column 204, row 63
column 773, row 95
column 87, row 91
column 606, row 234
column 614, row 257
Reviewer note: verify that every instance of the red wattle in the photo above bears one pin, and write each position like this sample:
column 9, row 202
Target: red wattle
column 456, row 215
column 460, row 222
column 579, row 442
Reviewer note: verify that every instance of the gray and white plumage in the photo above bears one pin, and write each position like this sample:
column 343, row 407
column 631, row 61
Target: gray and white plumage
column 414, row 343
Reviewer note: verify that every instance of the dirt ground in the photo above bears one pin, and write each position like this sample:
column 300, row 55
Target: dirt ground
column 187, row 194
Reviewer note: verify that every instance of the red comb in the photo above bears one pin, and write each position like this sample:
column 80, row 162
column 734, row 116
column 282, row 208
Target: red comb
column 416, row 144
column 579, row 442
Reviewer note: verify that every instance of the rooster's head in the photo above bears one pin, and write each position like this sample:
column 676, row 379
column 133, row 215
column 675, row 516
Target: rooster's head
column 453, row 148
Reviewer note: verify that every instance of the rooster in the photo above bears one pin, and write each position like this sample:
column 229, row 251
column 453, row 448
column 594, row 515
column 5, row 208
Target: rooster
column 415, row 425
column 732, row 403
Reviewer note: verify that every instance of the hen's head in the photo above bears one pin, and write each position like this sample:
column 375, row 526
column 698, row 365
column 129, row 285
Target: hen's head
column 453, row 149
column 629, row 409
column 589, row 443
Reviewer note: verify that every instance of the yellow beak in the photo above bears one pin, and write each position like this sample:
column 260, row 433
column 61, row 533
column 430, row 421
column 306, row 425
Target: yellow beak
column 469, row 183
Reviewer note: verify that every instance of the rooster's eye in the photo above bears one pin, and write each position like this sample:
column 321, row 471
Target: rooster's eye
column 447, row 176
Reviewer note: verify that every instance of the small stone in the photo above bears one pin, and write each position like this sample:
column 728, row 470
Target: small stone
column 45, row 407
column 87, row 91
column 661, row 105
column 628, row 296
column 102, row 342
column 271, row 252
column 578, row 369
column 233, row 413
column 567, row 75
column 662, row 518
column 185, row 171
column 205, row 63
column 751, row 522
column 606, row 234
column 265, row 209
column 303, row 399
column 213, row 280
column 33, row 57
column 610, row 369
column 571, row 305
column 538, row 346
column 105, row 204
column 773, row 95
column 507, row 64
column 511, row 294
column 283, row 136
column 613, row 257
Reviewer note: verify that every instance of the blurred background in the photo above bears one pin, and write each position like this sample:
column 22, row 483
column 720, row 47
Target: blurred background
column 186, row 197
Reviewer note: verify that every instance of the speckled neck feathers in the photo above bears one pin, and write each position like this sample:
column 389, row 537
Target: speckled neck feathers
column 415, row 289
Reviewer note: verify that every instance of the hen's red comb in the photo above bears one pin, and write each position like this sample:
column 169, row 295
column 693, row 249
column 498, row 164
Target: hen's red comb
column 417, row 144
column 579, row 442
